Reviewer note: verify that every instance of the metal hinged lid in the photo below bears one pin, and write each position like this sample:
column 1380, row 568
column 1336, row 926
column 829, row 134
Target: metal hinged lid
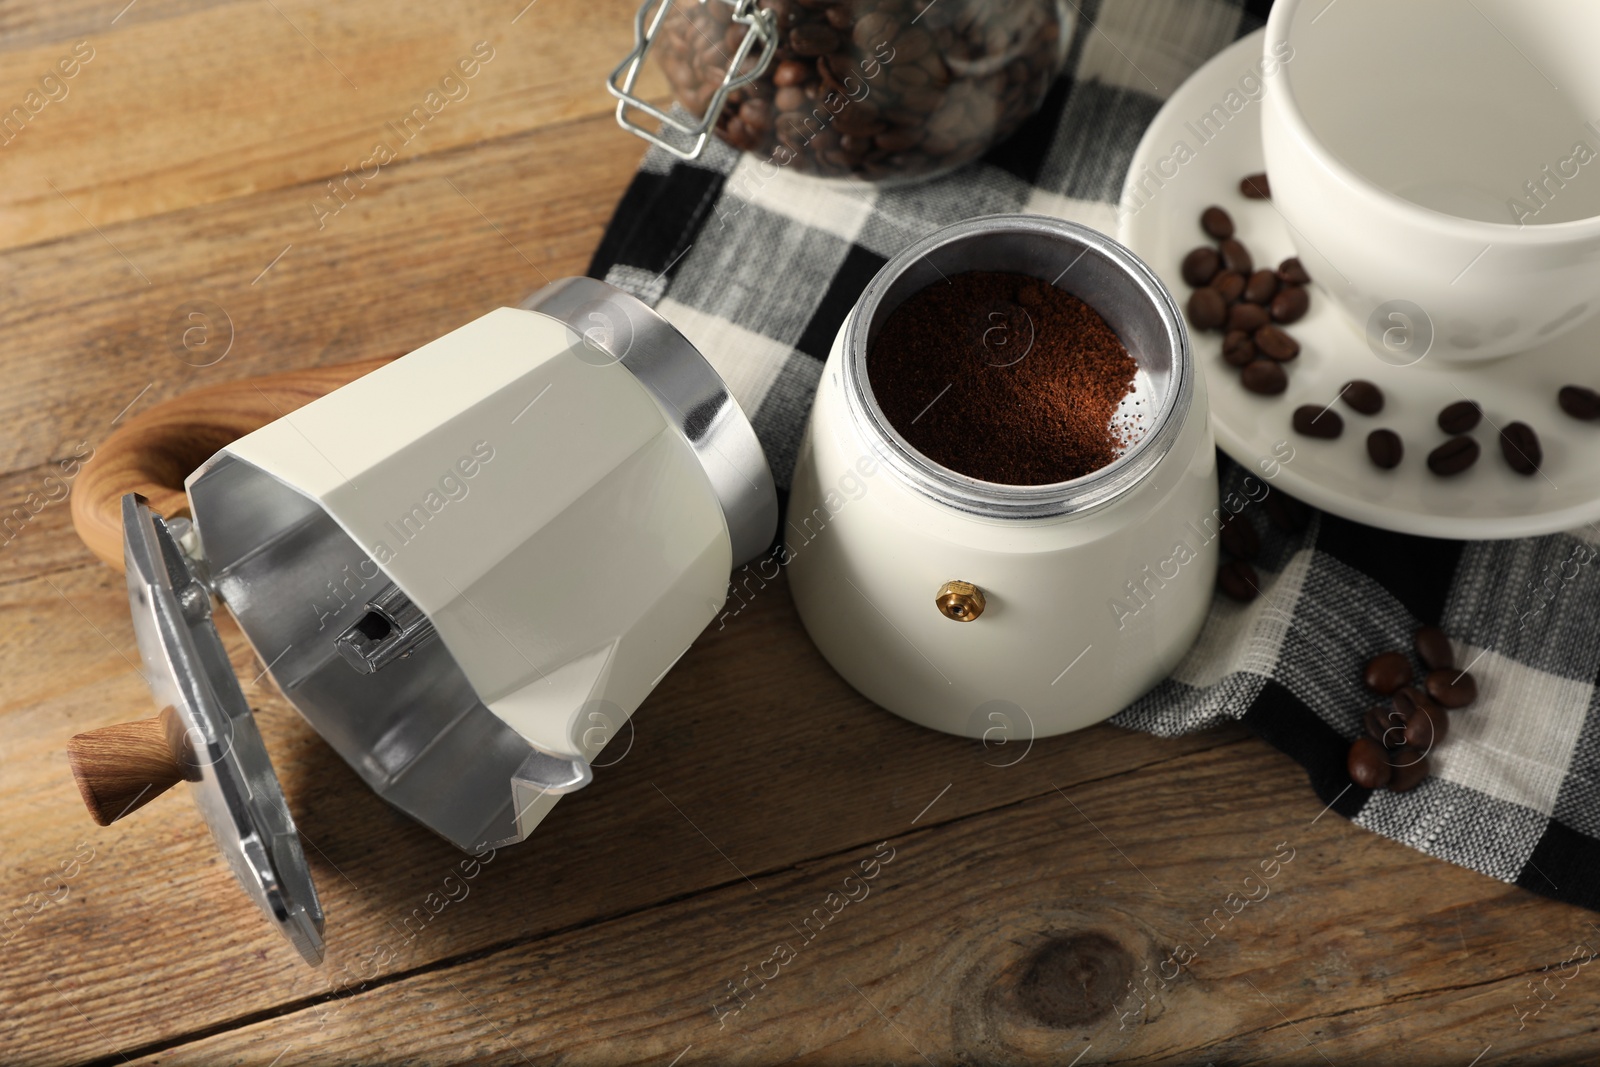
column 230, row 776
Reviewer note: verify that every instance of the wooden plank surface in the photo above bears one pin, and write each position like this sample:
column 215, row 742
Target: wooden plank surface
column 1002, row 938
column 196, row 103
column 1020, row 901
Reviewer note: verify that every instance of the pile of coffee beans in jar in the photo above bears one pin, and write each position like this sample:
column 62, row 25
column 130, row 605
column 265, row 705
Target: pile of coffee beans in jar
column 1392, row 751
column 876, row 89
column 1249, row 307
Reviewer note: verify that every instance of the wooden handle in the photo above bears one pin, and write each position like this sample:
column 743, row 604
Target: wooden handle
column 156, row 450
column 123, row 767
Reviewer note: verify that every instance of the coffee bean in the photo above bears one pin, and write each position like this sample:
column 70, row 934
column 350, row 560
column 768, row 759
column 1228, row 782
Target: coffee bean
column 1520, row 445
column 791, row 132
column 1384, row 725
column 1216, row 222
column 905, row 76
column 1579, row 402
column 923, row 100
column 1453, row 457
column 898, row 139
column 1200, row 266
column 857, row 119
column 1404, row 699
column 791, row 72
column 1207, row 309
column 1293, row 272
column 1290, row 305
column 912, row 45
column 833, row 72
column 1235, row 256
column 1387, row 672
column 1287, row 513
column 1372, row 722
column 854, row 146
column 1264, row 376
column 1237, row 348
column 1460, row 417
column 1238, row 581
column 813, row 39
column 1239, row 538
column 1276, row 344
column 790, row 98
column 1433, row 648
column 1247, row 317
column 1314, row 420
column 756, row 113
column 1425, row 721
column 1420, row 732
column 736, row 133
column 1368, row 764
column 1230, row 283
column 1262, row 287
column 1363, row 396
column 1385, row 449
column 1452, row 688
column 873, row 29
column 1410, row 767
column 1255, row 187
column 1426, row 728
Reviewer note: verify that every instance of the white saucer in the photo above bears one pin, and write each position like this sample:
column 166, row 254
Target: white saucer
column 1488, row 501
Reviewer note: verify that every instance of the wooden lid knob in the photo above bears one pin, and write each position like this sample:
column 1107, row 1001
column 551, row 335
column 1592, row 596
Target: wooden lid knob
column 123, row 767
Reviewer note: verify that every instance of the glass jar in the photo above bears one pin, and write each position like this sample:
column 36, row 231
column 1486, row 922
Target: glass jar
column 971, row 606
column 875, row 89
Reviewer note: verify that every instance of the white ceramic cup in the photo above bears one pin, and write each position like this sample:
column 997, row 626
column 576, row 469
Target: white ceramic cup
column 1438, row 164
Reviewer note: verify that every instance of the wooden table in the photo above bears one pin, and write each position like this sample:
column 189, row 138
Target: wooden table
column 1017, row 904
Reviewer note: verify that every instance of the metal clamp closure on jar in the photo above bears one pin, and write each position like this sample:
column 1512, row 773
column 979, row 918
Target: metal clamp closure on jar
column 762, row 30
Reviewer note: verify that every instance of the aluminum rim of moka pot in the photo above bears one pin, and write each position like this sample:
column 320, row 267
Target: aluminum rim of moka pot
column 1091, row 266
column 617, row 327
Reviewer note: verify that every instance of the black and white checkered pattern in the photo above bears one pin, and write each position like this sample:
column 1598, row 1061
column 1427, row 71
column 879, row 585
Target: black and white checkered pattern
column 759, row 272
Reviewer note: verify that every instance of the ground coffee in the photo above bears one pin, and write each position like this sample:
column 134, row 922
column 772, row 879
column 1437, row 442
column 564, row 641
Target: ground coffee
column 1003, row 378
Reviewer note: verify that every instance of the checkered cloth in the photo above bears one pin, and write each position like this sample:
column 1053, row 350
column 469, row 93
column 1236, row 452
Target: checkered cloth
column 760, row 271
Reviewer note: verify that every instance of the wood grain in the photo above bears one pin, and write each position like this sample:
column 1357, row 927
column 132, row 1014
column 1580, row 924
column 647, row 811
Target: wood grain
column 719, row 749
column 155, row 450
column 122, row 767
column 438, row 243
column 963, row 945
column 210, row 102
